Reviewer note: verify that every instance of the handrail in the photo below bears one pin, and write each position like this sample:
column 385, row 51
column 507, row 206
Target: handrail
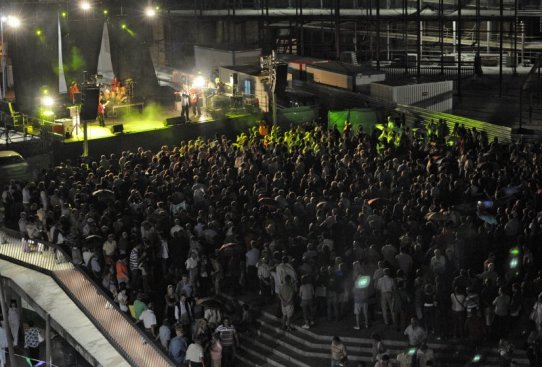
column 56, row 265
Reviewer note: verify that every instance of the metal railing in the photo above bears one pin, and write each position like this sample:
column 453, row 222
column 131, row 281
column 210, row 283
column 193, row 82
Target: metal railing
column 119, row 329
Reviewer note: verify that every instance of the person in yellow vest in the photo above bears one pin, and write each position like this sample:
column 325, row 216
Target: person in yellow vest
column 263, row 130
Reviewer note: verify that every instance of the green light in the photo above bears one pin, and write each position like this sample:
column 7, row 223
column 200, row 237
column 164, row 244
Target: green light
column 514, row 251
column 106, row 12
column 477, row 358
column 64, row 14
column 38, row 32
column 514, row 263
column 123, row 26
column 46, row 91
column 157, row 8
column 363, row 281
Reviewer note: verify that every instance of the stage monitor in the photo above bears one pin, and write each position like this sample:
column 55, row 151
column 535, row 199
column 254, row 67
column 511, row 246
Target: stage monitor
column 89, row 99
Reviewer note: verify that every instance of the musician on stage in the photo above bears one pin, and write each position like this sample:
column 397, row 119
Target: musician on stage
column 74, row 88
column 101, row 111
column 185, row 105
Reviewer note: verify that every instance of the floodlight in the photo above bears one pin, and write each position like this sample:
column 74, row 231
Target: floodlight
column 13, row 21
column 198, row 82
column 150, row 12
column 85, row 5
column 47, row 101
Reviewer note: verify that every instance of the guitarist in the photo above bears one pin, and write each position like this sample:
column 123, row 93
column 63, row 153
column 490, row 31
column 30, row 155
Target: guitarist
column 101, row 111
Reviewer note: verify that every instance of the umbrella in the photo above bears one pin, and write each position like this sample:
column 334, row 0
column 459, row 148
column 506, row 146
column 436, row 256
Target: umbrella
column 229, row 249
column 377, row 201
column 210, row 302
column 93, row 240
column 103, row 194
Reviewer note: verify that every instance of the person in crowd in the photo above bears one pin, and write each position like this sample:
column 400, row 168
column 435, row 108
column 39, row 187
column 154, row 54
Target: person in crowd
column 229, row 341
column 14, row 321
column 415, row 211
column 178, row 346
column 339, row 357
column 286, row 296
column 194, row 354
column 164, row 334
column 216, row 351
column 415, row 333
column 149, row 320
column 306, row 295
column 32, row 341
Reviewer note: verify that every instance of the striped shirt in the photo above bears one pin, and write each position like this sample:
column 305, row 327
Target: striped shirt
column 227, row 334
column 134, row 259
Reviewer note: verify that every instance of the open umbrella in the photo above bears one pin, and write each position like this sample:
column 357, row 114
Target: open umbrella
column 104, row 194
column 93, row 241
column 437, row 216
column 377, row 202
column 210, row 302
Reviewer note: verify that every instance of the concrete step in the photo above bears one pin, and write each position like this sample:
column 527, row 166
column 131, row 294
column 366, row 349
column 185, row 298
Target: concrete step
column 271, row 354
column 304, row 344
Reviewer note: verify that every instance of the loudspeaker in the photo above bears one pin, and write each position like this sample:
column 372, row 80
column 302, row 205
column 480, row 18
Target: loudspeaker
column 172, row 121
column 89, row 109
column 281, row 73
column 115, row 129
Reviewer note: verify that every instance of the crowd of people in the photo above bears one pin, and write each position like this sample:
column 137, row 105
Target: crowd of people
column 435, row 239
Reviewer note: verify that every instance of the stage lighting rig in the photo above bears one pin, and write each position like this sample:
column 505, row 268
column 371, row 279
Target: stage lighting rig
column 85, row 5
column 150, row 12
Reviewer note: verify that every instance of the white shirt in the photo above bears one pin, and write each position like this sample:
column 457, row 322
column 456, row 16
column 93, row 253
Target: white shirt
column 149, row 318
column 252, row 256
column 194, row 353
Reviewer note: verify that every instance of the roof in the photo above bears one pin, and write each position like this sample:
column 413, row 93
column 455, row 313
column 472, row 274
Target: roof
column 250, row 69
column 9, row 153
column 410, row 81
column 345, row 68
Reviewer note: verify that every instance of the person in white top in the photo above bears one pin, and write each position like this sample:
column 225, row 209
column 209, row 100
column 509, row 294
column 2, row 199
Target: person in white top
column 458, row 312
column 14, row 320
column 149, row 320
column 194, row 354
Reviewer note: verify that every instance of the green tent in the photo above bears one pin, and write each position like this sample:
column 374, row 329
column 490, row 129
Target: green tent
column 360, row 118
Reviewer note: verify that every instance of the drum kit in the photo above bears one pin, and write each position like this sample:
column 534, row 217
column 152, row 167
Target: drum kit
column 117, row 92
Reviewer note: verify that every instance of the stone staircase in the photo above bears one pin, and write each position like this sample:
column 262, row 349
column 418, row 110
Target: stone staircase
column 268, row 345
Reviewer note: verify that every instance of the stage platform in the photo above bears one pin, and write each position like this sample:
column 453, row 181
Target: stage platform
column 150, row 134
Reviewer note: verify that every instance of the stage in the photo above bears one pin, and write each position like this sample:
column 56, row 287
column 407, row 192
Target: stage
column 150, row 133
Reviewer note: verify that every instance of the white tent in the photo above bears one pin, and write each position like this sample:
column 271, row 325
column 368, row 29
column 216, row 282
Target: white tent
column 105, row 66
column 62, row 87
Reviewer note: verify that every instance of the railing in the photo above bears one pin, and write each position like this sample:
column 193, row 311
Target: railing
column 433, row 71
column 126, row 337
